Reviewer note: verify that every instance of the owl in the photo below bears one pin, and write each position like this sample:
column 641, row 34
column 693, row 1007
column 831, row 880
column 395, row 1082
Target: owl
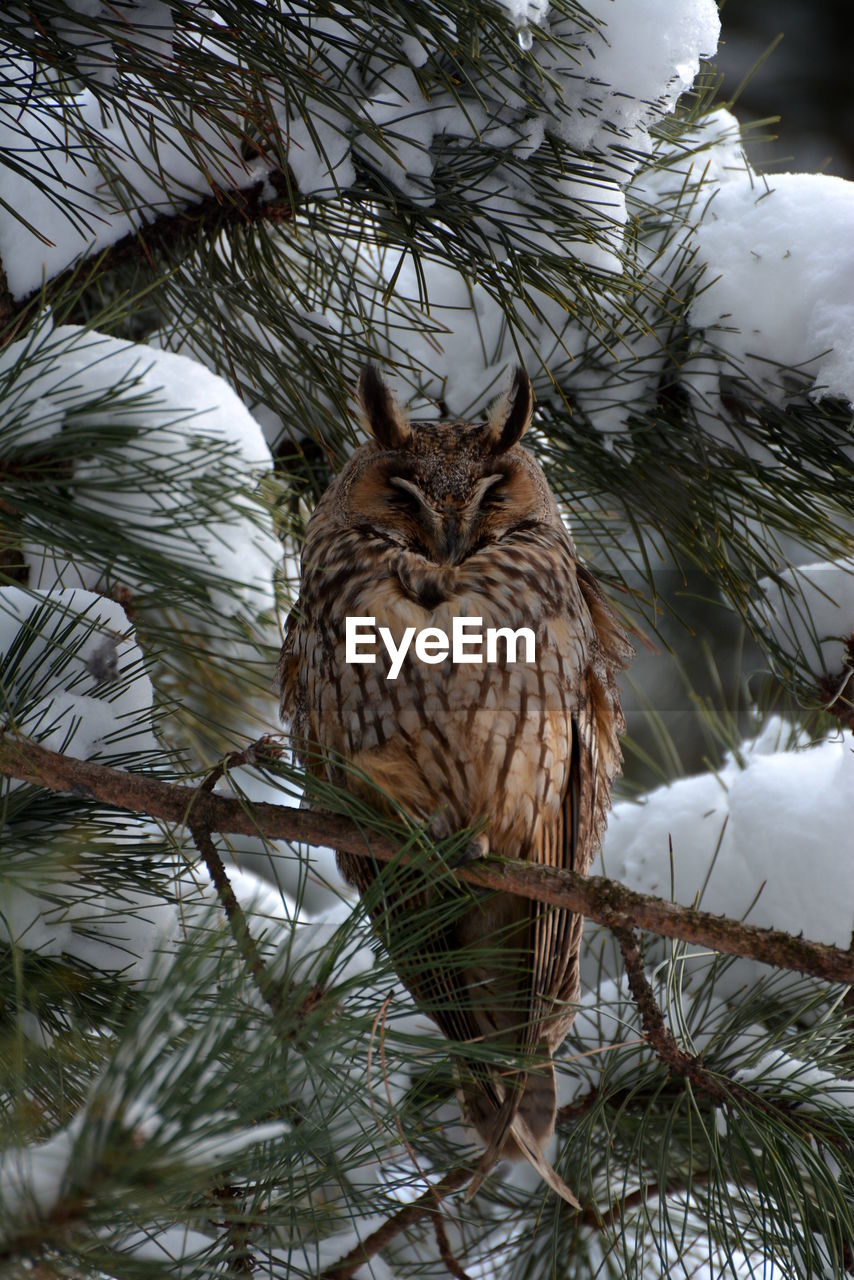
column 426, row 523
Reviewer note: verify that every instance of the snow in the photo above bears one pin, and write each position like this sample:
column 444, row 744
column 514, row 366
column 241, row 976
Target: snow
column 88, row 171
column 778, row 288
column 307, row 874
column 181, row 1249
column 634, row 67
column 73, row 675
column 770, row 842
column 129, row 930
column 811, row 1087
column 32, row 1177
column 629, row 65
column 74, row 680
column 776, row 256
column 525, row 12
column 308, row 947
column 319, row 152
column 405, row 117
column 175, row 410
column 620, row 72
column 772, row 260
column 314, row 1259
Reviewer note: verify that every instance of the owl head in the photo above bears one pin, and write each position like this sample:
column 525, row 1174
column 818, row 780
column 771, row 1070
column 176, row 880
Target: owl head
column 444, row 489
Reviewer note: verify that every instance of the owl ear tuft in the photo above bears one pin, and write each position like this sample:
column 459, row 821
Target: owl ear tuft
column 383, row 417
column 510, row 415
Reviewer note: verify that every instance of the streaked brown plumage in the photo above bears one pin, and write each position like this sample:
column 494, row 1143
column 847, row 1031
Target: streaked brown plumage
column 425, row 522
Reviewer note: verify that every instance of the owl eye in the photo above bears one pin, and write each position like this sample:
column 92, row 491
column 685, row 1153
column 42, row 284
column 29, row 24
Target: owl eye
column 492, row 492
column 409, row 493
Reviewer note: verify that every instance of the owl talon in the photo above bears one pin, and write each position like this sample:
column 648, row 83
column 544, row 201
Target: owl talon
column 477, row 848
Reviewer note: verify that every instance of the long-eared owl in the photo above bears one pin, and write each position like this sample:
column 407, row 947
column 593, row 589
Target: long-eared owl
column 428, row 522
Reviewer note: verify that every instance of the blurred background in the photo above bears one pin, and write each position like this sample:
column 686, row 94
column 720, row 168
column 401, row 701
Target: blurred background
column 807, row 79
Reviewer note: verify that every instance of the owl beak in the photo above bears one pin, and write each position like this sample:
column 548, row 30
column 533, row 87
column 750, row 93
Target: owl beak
column 451, row 539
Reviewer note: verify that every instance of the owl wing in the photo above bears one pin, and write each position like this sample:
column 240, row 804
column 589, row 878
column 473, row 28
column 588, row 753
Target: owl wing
column 554, row 939
column 556, row 933
column 571, row 841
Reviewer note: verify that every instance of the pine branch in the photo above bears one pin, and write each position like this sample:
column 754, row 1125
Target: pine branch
column 426, row 1203
column 452, row 1266
column 836, row 690
column 48, row 1229
column 606, row 901
column 723, row 1092
column 238, row 924
column 655, row 1029
column 167, row 232
column 241, row 1261
column 240, row 930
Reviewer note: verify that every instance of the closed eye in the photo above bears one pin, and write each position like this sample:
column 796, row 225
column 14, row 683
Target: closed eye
column 407, row 491
column 491, row 491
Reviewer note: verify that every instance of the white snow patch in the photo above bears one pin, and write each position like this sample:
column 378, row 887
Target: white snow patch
column 307, row 874
column 32, row 1178
column 778, row 288
column 73, row 675
column 772, row 842
column 91, row 170
column 644, row 55
column 178, row 411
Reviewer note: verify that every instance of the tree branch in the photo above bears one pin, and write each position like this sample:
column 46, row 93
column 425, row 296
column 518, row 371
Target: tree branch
column 606, row 901
column 426, row 1203
column 237, row 922
column 238, row 206
column 719, row 1089
column 655, row 1029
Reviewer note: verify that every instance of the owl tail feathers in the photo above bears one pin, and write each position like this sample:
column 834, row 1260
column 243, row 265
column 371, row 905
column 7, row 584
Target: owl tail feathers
column 519, row 1128
column 530, row 1149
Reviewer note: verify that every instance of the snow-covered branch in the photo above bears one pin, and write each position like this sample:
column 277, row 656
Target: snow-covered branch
column 178, row 229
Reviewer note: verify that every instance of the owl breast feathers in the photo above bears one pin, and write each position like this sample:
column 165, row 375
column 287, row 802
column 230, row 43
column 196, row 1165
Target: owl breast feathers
column 425, row 523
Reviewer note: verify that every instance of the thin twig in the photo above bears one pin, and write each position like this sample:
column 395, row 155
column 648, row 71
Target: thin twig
column 578, row 1109
column 606, row 901
column 425, row 1205
column 451, row 1265
column 836, row 690
column 265, row 747
column 656, row 1031
column 241, row 1261
column 721, row 1091
column 236, row 917
column 7, row 302
column 615, row 1213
